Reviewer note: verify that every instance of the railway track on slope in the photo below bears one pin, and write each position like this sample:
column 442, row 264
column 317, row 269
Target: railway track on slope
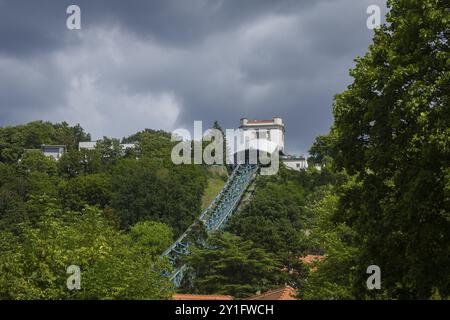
column 213, row 218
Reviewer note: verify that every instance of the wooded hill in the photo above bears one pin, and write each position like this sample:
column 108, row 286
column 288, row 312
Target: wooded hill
column 382, row 197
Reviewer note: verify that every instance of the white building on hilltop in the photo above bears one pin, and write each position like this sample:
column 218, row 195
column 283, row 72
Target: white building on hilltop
column 53, row 151
column 90, row 145
column 295, row 163
column 271, row 130
column 50, row 151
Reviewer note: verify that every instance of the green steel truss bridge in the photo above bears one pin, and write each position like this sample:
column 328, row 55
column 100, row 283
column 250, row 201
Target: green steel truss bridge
column 214, row 217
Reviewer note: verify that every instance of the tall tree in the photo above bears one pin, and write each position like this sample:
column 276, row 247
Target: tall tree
column 225, row 149
column 230, row 265
column 393, row 135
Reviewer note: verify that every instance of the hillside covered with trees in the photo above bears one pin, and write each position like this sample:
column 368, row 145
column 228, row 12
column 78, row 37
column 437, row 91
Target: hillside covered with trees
column 377, row 192
column 110, row 212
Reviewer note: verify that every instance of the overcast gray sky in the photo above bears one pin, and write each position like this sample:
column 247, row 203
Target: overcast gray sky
column 163, row 64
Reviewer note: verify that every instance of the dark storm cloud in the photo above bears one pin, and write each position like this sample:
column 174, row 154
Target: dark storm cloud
column 26, row 26
column 164, row 64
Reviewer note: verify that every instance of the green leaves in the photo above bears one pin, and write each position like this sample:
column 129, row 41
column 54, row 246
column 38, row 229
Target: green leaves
column 230, row 265
column 93, row 189
column 35, row 161
column 54, row 214
column 274, row 216
column 391, row 127
column 148, row 190
column 13, row 140
column 153, row 237
column 113, row 265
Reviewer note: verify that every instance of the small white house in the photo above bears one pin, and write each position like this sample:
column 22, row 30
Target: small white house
column 90, row 145
column 295, row 163
column 126, row 146
column 53, row 151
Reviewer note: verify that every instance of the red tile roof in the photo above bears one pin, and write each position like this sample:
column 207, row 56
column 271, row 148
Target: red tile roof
column 309, row 259
column 180, row 296
column 283, row 293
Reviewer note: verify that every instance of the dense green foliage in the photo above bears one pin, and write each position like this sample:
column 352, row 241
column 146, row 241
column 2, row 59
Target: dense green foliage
column 13, row 140
column 146, row 189
column 391, row 134
column 331, row 280
column 275, row 216
column 233, row 266
column 377, row 193
column 276, row 223
column 113, row 264
column 110, row 211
